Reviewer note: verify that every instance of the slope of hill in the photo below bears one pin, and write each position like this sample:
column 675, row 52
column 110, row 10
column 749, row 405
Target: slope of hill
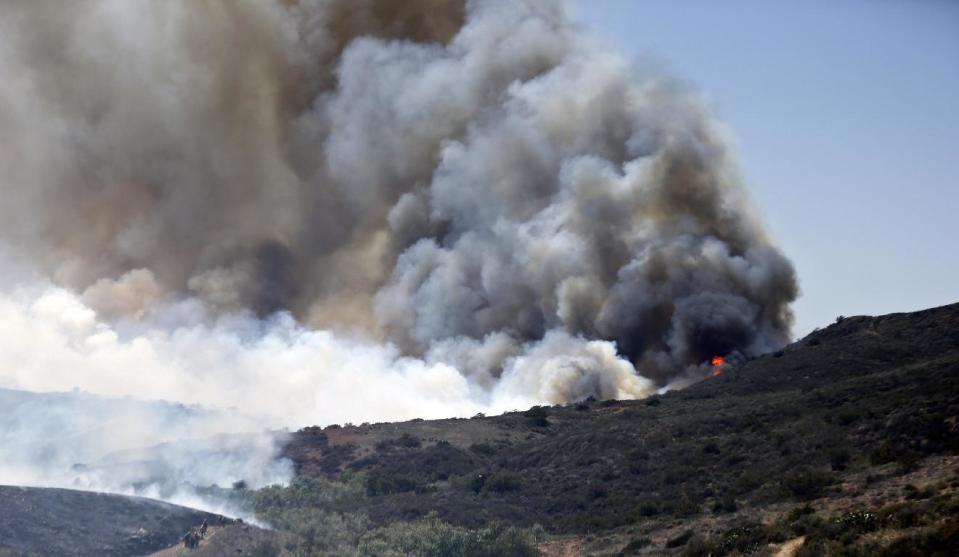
column 847, row 412
column 846, row 442
column 67, row 523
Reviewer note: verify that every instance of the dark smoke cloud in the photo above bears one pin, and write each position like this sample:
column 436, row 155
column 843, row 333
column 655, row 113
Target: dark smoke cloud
column 478, row 184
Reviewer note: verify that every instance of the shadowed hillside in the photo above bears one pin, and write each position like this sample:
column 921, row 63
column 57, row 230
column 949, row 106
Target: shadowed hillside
column 67, row 523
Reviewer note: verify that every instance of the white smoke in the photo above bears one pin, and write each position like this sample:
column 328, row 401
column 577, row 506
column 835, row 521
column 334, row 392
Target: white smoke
column 271, row 373
column 318, row 211
column 275, row 368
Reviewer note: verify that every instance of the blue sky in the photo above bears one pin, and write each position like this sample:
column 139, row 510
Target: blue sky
column 845, row 116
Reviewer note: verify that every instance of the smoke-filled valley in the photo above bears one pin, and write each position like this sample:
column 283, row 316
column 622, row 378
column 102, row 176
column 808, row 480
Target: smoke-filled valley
column 300, row 212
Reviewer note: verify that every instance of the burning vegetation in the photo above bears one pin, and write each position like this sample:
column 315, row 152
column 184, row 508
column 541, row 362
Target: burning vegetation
column 718, row 362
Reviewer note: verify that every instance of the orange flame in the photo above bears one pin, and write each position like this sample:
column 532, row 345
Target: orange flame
column 718, row 363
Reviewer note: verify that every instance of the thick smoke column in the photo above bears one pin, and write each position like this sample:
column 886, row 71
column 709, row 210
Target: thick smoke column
column 472, row 203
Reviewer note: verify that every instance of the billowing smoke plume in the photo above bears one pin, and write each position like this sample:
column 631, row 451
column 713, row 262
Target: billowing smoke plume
column 325, row 210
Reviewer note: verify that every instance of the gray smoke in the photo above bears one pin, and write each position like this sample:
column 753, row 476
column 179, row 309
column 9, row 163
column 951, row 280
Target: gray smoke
column 83, row 441
column 472, row 189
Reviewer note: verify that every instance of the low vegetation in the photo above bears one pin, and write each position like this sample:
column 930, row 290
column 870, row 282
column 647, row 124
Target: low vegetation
column 863, row 398
column 927, row 528
column 309, row 509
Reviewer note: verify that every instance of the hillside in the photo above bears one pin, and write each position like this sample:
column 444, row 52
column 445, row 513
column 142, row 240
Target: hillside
column 842, row 418
column 845, row 442
column 68, row 523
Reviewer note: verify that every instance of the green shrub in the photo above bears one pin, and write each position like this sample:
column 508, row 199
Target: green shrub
column 883, row 454
column 745, row 539
column 318, row 531
column 408, row 441
column 304, row 493
column 431, row 537
column 648, row 509
column 806, row 484
column 536, row 412
column 264, row 549
column 476, row 482
column 598, row 492
column 848, row 416
column 537, row 417
column 298, row 509
column 725, row 505
column 378, row 483
column 748, row 481
column 855, row 523
column 839, row 458
column 405, row 441
column 502, row 482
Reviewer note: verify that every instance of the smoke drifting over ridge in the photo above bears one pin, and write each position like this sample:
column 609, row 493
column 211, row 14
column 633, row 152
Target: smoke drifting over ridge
column 330, row 210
